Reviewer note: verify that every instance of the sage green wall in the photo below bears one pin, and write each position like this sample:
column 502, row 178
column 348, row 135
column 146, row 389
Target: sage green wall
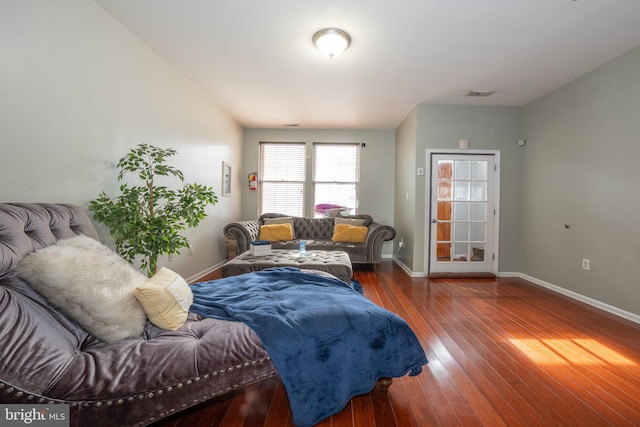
column 405, row 189
column 78, row 90
column 486, row 128
column 581, row 168
column 376, row 168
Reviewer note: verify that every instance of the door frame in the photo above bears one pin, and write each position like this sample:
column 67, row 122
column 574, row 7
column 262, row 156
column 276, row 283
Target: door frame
column 427, row 201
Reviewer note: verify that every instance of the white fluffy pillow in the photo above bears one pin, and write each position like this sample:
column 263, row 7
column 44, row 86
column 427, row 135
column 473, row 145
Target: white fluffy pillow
column 90, row 283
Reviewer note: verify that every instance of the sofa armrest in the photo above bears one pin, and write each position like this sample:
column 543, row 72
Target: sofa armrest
column 244, row 232
column 376, row 236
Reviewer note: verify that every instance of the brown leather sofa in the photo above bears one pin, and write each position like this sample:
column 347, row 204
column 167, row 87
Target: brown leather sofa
column 47, row 358
column 317, row 234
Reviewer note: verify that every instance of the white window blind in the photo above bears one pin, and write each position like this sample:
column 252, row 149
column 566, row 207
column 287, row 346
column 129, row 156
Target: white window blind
column 281, row 178
column 336, row 176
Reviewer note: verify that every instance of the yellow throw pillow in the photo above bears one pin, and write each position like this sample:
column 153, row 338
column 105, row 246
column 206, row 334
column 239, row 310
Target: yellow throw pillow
column 275, row 232
column 349, row 233
column 281, row 220
column 166, row 298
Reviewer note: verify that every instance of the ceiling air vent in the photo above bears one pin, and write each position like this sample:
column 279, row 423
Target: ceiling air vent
column 480, row 93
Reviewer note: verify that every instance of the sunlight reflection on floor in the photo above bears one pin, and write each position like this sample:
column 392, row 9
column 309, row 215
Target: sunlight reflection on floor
column 576, row 351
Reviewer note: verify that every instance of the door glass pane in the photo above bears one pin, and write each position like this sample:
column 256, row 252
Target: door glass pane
column 477, row 252
column 478, row 191
column 479, row 171
column 462, row 170
column 444, row 190
column 478, row 212
column 445, row 169
column 444, row 211
column 461, row 231
column 461, row 211
column 443, row 233
column 460, row 252
column 444, row 251
column 478, row 232
column 461, row 190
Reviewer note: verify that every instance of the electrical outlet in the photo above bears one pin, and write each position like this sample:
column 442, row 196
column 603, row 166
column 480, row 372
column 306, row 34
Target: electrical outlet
column 401, row 243
column 586, row 264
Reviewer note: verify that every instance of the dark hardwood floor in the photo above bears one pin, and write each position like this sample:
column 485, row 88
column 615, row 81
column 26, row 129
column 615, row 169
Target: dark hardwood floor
column 501, row 353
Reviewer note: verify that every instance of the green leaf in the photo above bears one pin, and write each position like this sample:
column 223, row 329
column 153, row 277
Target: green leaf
column 145, row 220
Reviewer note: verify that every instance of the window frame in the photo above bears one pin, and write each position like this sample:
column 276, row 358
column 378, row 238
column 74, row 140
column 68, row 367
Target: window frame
column 315, row 181
column 266, row 179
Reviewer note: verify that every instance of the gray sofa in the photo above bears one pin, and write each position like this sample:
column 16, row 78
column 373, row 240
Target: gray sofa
column 46, row 358
column 317, row 233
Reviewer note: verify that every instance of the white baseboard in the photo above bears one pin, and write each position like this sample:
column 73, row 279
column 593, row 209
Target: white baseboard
column 574, row 295
column 509, row 274
column 407, row 269
column 205, row 272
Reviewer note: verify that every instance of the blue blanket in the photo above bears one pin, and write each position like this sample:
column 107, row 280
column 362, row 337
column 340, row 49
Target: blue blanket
column 328, row 342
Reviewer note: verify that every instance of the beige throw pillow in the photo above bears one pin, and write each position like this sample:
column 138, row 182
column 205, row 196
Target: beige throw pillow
column 279, row 220
column 166, row 298
column 357, row 222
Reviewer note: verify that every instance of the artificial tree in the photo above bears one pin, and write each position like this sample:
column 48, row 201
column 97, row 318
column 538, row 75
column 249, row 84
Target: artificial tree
column 146, row 220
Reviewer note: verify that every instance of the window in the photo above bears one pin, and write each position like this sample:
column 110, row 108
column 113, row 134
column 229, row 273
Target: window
column 281, row 177
column 336, row 175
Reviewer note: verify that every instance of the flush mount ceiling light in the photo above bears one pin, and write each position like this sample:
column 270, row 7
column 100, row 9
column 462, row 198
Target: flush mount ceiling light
column 331, row 41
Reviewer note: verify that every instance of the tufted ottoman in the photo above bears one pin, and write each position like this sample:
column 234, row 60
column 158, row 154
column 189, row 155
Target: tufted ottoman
column 333, row 262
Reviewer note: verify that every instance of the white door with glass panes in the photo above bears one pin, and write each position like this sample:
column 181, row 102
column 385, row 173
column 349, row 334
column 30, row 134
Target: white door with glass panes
column 463, row 213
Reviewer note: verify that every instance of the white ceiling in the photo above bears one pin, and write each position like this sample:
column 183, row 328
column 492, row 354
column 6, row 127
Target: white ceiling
column 255, row 58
